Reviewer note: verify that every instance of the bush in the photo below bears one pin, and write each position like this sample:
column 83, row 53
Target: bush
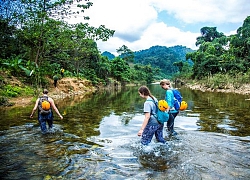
column 4, row 101
column 14, row 91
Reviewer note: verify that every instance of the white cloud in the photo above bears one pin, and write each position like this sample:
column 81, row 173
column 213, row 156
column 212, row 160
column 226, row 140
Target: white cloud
column 231, row 32
column 155, row 34
column 195, row 11
column 161, row 34
column 136, row 25
column 124, row 16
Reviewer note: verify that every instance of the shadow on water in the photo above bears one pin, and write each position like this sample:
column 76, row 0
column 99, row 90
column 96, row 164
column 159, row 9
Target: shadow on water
column 97, row 139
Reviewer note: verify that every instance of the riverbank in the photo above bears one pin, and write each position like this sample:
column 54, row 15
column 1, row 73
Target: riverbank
column 244, row 89
column 66, row 87
column 77, row 87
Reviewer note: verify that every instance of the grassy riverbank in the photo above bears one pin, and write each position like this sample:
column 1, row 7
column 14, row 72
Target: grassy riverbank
column 222, row 83
column 17, row 93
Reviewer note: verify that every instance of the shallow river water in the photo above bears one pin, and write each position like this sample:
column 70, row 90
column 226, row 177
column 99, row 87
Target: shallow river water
column 97, row 139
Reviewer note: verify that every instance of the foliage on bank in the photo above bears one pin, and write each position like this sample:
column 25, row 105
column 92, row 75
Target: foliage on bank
column 221, row 61
column 220, row 54
column 222, row 81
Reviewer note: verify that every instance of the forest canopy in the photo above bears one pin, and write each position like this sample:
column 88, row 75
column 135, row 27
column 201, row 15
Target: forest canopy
column 218, row 53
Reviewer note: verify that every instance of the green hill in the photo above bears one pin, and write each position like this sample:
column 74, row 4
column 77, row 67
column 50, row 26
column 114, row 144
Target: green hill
column 162, row 57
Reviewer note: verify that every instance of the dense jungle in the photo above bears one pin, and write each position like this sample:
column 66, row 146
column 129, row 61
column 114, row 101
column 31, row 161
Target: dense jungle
column 36, row 43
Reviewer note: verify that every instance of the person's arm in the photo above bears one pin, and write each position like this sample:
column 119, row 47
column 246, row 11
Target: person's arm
column 34, row 109
column 55, row 108
column 144, row 124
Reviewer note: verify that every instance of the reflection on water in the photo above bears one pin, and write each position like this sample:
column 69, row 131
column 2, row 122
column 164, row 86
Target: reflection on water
column 97, row 139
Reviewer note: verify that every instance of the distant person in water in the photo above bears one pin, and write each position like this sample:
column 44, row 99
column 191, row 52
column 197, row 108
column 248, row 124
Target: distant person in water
column 45, row 115
column 150, row 125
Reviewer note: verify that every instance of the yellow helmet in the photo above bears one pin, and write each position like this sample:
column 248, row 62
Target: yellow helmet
column 162, row 105
column 183, row 106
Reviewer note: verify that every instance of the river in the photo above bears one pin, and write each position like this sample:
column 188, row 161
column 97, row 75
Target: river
column 97, row 139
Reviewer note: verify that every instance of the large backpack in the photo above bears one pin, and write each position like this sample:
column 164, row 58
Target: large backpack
column 44, row 105
column 177, row 99
column 161, row 116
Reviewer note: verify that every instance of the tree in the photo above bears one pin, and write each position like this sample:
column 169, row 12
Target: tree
column 120, row 69
column 8, row 41
column 241, row 41
column 144, row 73
column 179, row 64
column 103, row 68
column 41, row 35
column 207, row 59
column 126, row 53
column 208, row 34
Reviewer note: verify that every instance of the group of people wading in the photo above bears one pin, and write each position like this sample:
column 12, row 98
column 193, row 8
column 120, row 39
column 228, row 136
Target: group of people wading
column 150, row 125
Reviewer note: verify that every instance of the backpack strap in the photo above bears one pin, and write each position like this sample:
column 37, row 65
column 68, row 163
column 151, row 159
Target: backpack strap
column 154, row 103
column 155, row 115
column 40, row 104
column 43, row 97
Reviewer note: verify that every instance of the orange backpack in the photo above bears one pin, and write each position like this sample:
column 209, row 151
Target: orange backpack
column 44, row 105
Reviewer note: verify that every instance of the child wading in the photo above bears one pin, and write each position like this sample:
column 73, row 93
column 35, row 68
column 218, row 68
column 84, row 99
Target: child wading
column 45, row 115
column 165, row 84
column 150, row 125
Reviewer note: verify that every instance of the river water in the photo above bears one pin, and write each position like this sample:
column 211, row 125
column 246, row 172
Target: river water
column 97, row 139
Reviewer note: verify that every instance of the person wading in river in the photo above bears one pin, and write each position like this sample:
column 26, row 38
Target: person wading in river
column 150, row 125
column 166, row 85
column 45, row 116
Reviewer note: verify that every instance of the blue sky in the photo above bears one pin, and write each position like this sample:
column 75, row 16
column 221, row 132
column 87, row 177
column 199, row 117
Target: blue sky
column 195, row 27
column 141, row 24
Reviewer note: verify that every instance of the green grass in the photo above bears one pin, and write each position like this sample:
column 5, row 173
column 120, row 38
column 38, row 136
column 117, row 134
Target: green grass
column 15, row 91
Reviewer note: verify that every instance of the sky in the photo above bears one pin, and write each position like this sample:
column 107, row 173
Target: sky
column 141, row 24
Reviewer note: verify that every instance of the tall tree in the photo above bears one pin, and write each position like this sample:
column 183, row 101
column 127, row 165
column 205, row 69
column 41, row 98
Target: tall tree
column 207, row 59
column 208, row 34
column 126, row 53
column 120, row 69
column 241, row 41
